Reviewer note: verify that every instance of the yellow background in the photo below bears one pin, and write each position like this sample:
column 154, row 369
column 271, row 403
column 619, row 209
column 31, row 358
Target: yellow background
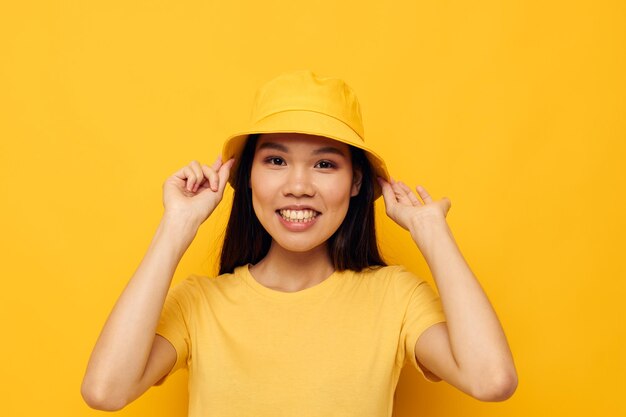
column 512, row 109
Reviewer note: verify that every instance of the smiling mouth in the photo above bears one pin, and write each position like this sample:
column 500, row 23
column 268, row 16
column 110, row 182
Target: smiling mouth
column 298, row 216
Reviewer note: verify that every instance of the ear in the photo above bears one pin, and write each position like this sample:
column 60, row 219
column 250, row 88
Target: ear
column 357, row 178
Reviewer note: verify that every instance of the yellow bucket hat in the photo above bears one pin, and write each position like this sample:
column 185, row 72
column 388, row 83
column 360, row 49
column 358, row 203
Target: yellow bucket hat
column 304, row 102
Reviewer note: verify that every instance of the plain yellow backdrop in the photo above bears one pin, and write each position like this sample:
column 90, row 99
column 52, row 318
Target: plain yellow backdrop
column 515, row 110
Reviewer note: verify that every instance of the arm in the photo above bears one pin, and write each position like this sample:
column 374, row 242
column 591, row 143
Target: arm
column 470, row 351
column 114, row 375
column 129, row 357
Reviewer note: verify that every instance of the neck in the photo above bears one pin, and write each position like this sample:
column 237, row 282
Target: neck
column 293, row 271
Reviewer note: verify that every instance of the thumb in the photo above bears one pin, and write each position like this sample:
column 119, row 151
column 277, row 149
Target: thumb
column 217, row 164
column 224, row 173
column 388, row 195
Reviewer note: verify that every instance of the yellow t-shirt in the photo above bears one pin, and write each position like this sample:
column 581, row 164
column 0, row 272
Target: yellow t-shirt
column 334, row 349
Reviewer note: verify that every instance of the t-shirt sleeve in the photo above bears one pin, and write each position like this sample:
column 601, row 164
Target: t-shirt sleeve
column 423, row 310
column 174, row 323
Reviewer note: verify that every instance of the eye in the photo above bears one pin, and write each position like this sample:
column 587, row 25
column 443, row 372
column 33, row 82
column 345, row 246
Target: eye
column 325, row 164
column 274, row 160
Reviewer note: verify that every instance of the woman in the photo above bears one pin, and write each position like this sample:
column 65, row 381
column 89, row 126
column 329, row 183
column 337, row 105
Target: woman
column 304, row 318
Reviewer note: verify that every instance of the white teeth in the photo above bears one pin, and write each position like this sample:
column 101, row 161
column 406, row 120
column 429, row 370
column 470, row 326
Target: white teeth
column 298, row 216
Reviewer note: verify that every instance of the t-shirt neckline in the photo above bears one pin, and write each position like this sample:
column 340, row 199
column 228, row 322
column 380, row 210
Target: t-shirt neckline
column 313, row 291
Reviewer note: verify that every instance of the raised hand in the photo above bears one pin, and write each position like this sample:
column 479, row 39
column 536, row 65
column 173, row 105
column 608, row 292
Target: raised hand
column 404, row 208
column 194, row 191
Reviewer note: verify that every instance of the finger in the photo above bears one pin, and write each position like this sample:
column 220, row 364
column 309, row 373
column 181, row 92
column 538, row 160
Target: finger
column 190, row 176
column 206, row 174
column 401, row 194
column 215, row 168
column 224, row 174
column 412, row 197
column 181, row 173
column 424, row 194
column 211, row 176
column 197, row 170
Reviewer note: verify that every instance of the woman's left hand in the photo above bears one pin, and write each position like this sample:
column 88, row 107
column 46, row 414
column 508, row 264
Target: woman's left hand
column 404, row 208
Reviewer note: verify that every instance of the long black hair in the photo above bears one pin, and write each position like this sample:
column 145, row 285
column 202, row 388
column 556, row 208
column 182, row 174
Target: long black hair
column 352, row 246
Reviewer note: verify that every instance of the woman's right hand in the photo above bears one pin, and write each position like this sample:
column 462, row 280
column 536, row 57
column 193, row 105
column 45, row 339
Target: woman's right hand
column 193, row 192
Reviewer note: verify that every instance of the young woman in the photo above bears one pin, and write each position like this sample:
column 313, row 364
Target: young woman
column 305, row 318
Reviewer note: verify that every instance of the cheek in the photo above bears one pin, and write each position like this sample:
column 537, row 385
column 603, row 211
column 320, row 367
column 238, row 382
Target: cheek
column 263, row 190
column 338, row 194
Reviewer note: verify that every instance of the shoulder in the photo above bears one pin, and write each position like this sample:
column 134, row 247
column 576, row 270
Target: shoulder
column 396, row 277
column 195, row 285
column 186, row 290
column 390, row 272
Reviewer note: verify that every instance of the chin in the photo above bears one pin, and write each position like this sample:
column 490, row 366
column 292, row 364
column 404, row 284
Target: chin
column 298, row 244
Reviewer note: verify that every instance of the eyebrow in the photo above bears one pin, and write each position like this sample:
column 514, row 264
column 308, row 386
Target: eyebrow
column 283, row 148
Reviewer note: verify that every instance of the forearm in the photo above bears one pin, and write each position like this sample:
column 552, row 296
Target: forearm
column 477, row 339
column 119, row 357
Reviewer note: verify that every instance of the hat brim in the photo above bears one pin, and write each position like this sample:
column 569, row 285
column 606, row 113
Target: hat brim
column 305, row 122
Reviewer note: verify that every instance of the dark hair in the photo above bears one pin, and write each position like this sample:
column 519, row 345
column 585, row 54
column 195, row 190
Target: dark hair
column 352, row 246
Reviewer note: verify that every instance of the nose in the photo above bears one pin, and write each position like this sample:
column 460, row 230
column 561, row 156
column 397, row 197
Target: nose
column 298, row 183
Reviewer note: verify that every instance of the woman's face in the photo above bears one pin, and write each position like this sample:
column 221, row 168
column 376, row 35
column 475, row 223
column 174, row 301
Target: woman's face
column 301, row 188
